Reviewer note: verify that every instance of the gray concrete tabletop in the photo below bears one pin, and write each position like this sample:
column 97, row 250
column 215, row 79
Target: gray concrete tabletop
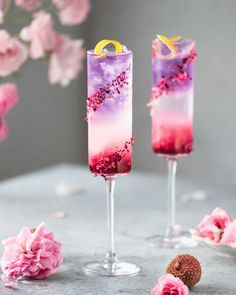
column 140, row 211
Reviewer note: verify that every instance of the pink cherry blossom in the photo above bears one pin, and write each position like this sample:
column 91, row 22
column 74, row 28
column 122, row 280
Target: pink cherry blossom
column 34, row 254
column 72, row 12
column 40, row 33
column 13, row 54
column 65, row 61
column 28, row 5
column 8, row 98
column 229, row 235
column 212, row 226
column 3, row 129
column 168, row 284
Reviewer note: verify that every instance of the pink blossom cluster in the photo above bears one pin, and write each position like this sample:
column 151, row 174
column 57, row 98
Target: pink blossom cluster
column 65, row 55
column 218, row 227
column 33, row 254
column 41, row 40
column 168, row 284
column 70, row 12
column 13, row 54
column 28, row 5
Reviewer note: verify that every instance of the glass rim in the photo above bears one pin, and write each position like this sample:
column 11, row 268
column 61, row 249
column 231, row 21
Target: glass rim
column 183, row 46
column 179, row 42
column 109, row 53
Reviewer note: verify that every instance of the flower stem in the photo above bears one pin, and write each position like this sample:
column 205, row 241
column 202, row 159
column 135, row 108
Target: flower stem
column 7, row 7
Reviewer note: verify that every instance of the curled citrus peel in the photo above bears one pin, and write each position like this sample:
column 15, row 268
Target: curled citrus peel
column 103, row 43
column 169, row 42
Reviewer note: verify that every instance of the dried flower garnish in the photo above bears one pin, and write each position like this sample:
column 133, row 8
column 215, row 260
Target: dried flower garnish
column 178, row 74
column 107, row 91
column 175, row 140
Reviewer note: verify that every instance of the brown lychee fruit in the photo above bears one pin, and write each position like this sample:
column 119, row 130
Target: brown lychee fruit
column 187, row 268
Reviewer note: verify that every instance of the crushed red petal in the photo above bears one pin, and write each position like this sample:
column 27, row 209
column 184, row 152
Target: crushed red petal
column 110, row 163
column 10, row 285
column 177, row 141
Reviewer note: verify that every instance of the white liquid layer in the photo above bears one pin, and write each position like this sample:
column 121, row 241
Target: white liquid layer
column 172, row 109
column 109, row 132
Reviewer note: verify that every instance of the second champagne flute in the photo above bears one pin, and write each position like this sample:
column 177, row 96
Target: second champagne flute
column 172, row 119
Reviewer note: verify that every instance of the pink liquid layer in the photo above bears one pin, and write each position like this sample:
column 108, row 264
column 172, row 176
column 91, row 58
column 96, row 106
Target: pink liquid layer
column 112, row 161
column 175, row 140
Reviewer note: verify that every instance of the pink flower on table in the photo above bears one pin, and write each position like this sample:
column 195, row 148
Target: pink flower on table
column 170, row 285
column 212, row 226
column 229, row 235
column 40, row 34
column 28, row 5
column 13, row 54
column 65, row 60
column 33, row 254
column 72, row 12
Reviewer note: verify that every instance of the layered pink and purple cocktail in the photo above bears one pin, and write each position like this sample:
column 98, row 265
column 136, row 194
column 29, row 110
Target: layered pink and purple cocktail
column 109, row 116
column 109, row 112
column 172, row 120
column 172, row 97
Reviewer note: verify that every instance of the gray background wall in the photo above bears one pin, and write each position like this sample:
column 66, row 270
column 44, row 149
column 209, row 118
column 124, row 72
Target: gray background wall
column 48, row 124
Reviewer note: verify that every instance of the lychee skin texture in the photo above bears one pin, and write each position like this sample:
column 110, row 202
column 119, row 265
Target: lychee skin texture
column 187, row 268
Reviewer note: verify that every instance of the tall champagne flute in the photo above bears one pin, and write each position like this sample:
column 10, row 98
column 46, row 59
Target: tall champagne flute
column 109, row 115
column 172, row 119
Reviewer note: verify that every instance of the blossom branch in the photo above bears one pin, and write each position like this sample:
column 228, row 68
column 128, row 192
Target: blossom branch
column 39, row 41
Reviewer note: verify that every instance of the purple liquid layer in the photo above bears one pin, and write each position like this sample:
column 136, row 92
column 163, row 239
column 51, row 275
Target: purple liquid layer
column 108, row 81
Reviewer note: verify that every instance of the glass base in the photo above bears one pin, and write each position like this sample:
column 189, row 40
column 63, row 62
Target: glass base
column 180, row 241
column 117, row 269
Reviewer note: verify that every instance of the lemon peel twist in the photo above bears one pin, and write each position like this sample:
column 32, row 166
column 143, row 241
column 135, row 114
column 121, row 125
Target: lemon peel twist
column 169, row 42
column 103, row 43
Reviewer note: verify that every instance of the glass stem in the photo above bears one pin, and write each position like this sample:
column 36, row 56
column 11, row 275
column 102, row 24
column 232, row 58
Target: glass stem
column 111, row 258
column 172, row 165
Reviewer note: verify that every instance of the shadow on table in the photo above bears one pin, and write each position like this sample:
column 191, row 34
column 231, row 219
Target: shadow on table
column 70, row 274
column 209, row 289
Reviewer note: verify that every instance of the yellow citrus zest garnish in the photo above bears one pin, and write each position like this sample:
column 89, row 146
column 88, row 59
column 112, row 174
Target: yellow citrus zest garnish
column 103, row 55
column 169, row 42
column 103, row 43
